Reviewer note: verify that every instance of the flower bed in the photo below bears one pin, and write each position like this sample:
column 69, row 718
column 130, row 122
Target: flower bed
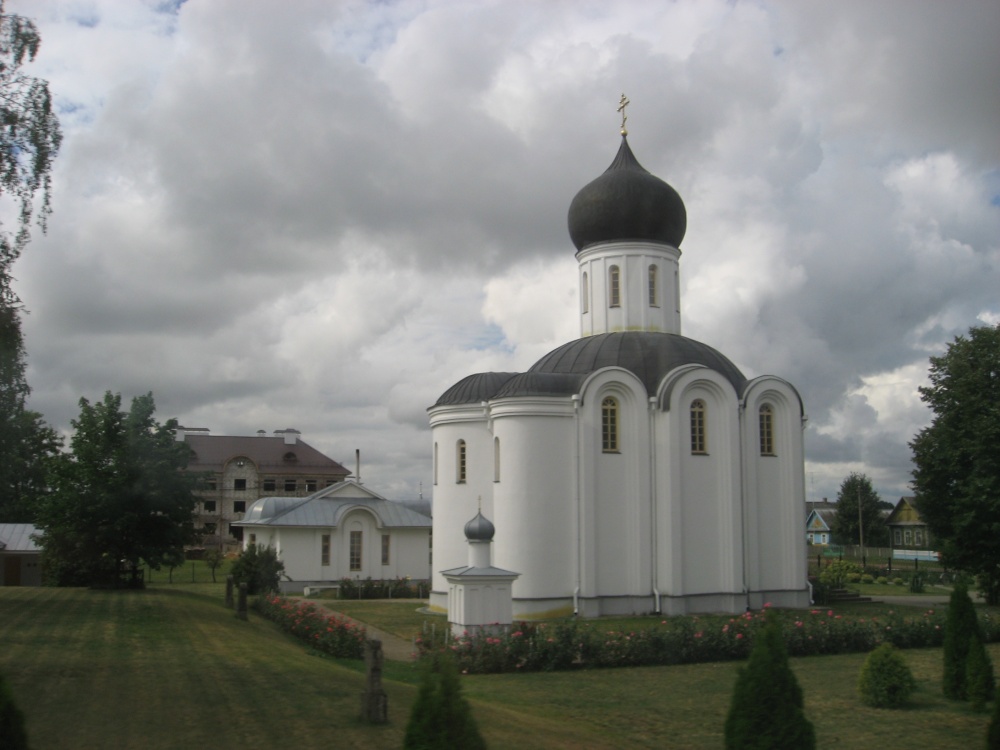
column 685, row 640
column 327, row 633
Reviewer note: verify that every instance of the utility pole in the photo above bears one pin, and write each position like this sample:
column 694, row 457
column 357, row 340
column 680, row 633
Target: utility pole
column 861, row 527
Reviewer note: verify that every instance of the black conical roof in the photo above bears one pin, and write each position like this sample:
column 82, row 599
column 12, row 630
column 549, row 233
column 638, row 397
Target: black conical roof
column 627, row 203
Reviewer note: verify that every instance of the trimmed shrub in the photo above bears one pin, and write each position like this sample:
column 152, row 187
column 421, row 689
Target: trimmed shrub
column 767, row 707
column 13, row 735
column 979, row 680
column 886, row 680
column 867, row 578
column 838, row 572
column 961, row 628
column 441, row 717
column 897, row 581
column 259, row 568
column 882, row 579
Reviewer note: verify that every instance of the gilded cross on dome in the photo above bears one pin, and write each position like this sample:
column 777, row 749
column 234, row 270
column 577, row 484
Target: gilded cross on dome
column 621, row 108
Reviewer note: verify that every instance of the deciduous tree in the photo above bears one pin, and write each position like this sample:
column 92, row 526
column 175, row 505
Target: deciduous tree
column 957, row 474
column 29, row 140
column 854, row 489
column 119, row 498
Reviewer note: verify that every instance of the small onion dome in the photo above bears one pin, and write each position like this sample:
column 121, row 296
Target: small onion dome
column 627, row 203
column 479, row 529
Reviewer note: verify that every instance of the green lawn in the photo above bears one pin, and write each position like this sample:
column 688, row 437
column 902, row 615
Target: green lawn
column 170, row 667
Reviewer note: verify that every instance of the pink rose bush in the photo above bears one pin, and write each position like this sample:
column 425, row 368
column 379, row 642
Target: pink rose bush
column 330, row 634
column 684, row 640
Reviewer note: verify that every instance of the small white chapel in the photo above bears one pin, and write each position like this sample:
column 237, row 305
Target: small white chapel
column 632, row 470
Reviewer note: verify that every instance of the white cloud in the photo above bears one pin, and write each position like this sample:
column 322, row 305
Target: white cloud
column 323, row 215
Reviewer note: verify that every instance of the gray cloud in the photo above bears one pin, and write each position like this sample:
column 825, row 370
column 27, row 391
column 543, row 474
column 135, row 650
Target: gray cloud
column 322, row 217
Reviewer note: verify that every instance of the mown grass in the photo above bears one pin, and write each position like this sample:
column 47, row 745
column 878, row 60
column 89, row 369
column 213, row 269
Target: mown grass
column 169, row 668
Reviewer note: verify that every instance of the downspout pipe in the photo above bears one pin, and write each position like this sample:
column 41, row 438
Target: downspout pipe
column 579, row 507
column 653, row 547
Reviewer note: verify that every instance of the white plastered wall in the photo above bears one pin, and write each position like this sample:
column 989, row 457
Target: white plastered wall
column 698, row 496
column 775, row 494
column 634, row 312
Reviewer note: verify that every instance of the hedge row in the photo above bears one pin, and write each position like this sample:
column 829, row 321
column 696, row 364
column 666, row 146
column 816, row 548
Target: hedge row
column 689, row 639
column 327, row 633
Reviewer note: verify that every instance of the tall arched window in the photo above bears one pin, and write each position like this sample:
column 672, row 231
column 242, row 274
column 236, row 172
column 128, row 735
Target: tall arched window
column 496, row 459
column 614, row 287
column 766, row 430
column 654, row 292
column 584, row 294
column 698, row 437
column 460, row 462
column 609, row 425
column 435, row 463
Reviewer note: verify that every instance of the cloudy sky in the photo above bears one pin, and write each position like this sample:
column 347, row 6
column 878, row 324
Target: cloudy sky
column 320, row 214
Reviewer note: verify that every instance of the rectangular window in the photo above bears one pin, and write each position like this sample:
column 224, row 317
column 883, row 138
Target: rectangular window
column 654, row 299
column 918, row 537
column 609, row 425
column 766, row 430
column 324, row 553
column 907, row 537
column 270, row 485
column 209, row 528
column 253, row 539
column 310, row 485
column 237, row 532
column 614, row 288
column 291, row 485
column 209, row 506
column 897, row 537
column 239, row 485
column 460, row 462
column 355, row 550
column 385, row 549
column 211, row 484
column 239, row 506
column 698, row 441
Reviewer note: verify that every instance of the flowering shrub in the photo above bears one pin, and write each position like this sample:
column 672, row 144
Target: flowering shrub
column 685, row 640
column 327, row 633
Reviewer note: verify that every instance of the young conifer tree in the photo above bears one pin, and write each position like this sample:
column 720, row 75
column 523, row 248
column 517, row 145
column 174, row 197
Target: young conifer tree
column 12, row 732
column 993, row 733
column 767, row 707
column 441, row 718
column 960, row 629
column 979, row 681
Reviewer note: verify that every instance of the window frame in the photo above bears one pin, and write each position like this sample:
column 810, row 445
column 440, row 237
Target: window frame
column 610, row 425
column 461, row 462
column 355, row 550
column 324, row 550
column 585, row 294
column 614, row 287
column 496, row 458
column 653, row 285
column 765, row 428
column 386, row 549
column 699, row 427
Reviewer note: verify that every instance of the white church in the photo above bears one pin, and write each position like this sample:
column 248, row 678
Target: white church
column 633, row 470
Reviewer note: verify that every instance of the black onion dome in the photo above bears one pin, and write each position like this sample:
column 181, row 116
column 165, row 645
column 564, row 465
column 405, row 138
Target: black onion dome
column 474, row 389
column 627, row 203
column 479, row 529
column 647, row 355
